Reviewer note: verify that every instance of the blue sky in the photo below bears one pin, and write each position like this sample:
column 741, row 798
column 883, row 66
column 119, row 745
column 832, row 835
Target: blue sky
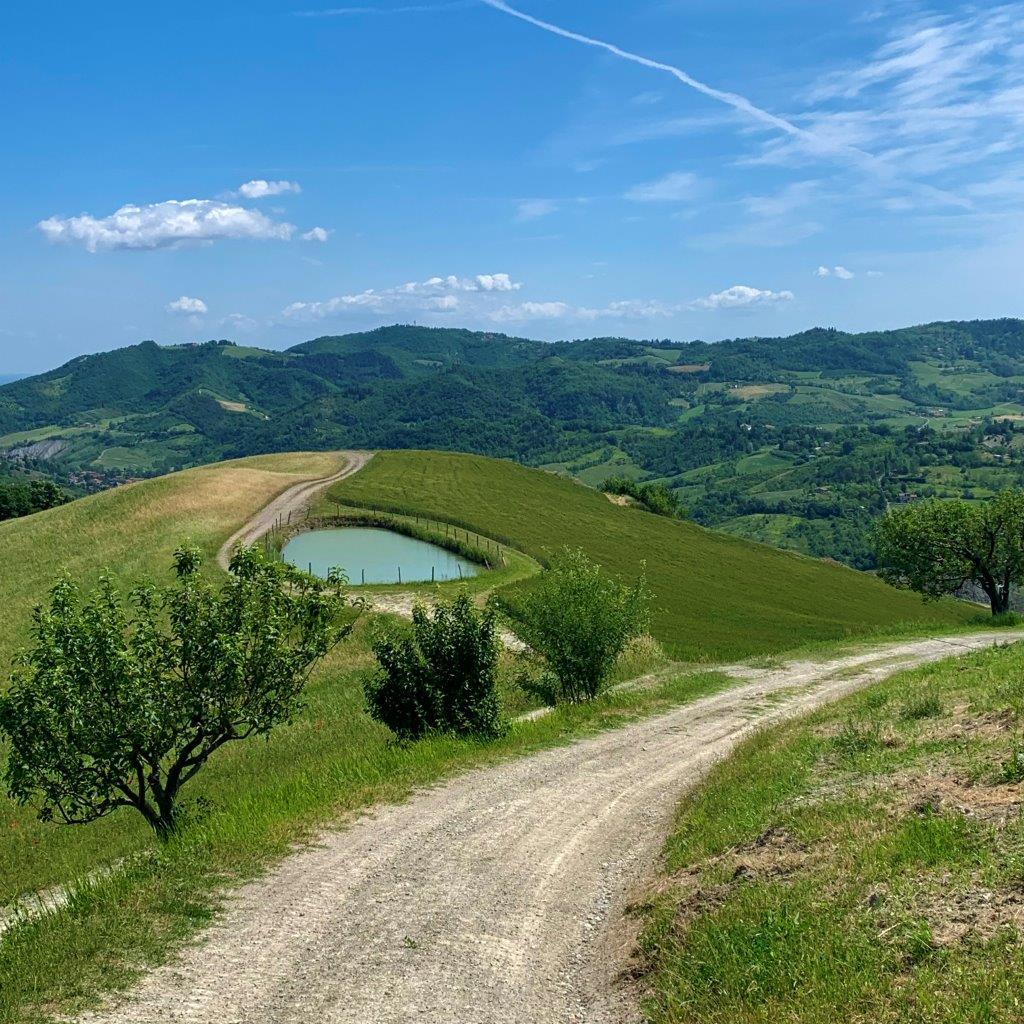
column 270, row 172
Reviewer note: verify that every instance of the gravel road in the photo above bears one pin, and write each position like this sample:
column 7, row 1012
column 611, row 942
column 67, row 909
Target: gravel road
column 496, row 898
column 294, row 499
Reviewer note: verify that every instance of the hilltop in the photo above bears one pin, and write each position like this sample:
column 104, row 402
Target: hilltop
column 796, row 441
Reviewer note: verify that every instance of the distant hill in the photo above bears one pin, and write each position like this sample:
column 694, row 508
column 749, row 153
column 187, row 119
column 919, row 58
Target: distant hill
column 7, row 378
column 798, row 441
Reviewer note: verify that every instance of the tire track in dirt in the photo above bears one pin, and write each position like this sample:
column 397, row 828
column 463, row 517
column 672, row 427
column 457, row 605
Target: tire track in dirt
column 497, row 897
column 294, row 499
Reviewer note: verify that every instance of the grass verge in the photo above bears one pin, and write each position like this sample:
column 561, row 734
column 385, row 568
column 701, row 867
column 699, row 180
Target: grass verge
column 866, row 863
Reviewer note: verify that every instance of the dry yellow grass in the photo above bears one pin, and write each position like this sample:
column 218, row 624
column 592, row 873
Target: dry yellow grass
column 134, row 530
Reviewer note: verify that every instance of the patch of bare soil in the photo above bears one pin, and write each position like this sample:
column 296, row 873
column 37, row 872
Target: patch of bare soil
column 975, row 913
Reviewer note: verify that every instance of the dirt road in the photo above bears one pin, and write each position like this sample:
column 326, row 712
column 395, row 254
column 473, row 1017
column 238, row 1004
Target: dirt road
column 295, row 499
column 496, row 898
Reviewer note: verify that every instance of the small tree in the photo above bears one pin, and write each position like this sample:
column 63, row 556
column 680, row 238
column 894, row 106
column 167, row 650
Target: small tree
column 438, row 676
column 120, row 703
column 937, row 546
column 580, row 620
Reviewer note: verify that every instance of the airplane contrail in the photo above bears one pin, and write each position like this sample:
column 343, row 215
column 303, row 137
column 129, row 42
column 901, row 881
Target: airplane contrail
column 732, row 99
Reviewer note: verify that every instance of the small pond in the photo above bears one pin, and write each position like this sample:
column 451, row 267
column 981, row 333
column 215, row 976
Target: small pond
column 371, row 555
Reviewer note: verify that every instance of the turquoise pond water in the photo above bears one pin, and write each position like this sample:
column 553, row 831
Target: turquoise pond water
column 370, row 555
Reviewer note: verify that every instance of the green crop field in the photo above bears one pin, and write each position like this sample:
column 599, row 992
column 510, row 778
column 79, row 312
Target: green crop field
column 716, row 597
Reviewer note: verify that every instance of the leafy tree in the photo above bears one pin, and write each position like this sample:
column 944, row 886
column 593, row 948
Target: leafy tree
column 937, row 546
column 580, row 620
column 656, row 498
column 440, row 675
column 119, row 703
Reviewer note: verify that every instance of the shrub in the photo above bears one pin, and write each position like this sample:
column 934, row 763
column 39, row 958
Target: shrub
column 438, row 676
column 580, row 620
column 120, row 703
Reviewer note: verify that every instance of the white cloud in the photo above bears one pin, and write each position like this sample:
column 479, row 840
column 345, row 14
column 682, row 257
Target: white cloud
column 187, row 306
column 627, row 309
column 491, row 283
column 534, row 311
column 841, row 272
column 874, row 273
column 436, row 294
column 534, row 209
column 165, row 225
column 260, row 189
column 673, row 188
column 239, row 322
column 315, row 235
column 742, row 296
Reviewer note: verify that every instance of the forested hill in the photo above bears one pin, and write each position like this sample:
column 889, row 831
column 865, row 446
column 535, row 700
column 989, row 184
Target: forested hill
column 797, row 440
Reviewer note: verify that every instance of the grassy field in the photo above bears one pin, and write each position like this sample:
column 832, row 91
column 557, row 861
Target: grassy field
column 716, row 597
column 255, row 800
column 862, row 865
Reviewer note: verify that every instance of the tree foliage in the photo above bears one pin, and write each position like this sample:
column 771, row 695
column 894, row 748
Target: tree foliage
column 120, row 702
column 936, row 546
column 440, row 675
column 580, row 619
column 657, row 498
column 22, row 497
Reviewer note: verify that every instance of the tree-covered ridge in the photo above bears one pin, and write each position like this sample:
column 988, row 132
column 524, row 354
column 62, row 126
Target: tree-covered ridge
column 799, row 441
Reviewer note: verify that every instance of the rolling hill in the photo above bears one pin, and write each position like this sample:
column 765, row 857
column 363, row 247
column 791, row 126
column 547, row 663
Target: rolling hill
column 798, row 441
column 716, row 598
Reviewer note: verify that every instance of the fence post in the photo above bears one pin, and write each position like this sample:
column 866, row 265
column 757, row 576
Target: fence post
column 364, row 577
column 460, row 570
column 432, row 568
column 399, row 574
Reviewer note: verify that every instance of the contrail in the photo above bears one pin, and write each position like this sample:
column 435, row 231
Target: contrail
column 732, row 99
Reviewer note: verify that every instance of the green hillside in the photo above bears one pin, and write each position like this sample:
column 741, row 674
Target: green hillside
column 716, row 597
column 800, row 441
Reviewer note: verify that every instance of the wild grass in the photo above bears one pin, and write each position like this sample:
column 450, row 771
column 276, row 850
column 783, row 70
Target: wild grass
column 717, row 597
column 863, row 864
column 254, row 801
column 255, row 804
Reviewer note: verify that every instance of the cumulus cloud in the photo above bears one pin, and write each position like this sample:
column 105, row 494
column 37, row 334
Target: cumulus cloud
column 436, row 294
column 260, row 189
column 823, row 272
column 741, row 296
column 673, row 188
column 841, row 272
column 315, row 235
column 165, row 225
column 187, row 306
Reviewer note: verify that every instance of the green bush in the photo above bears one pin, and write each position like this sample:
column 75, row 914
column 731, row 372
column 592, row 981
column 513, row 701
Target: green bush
column 579, row 620
column 440, row 676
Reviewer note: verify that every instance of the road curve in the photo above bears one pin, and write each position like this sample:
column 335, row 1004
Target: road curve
column 496, row 898
column 294, row 499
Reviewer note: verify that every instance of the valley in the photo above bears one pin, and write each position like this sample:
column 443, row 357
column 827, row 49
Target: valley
column 798, row 442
